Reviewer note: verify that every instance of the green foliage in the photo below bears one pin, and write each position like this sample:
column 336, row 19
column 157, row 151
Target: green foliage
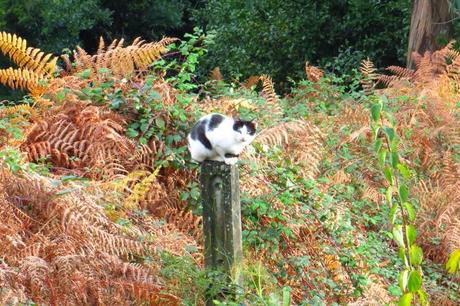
column 148, row 19
column 53, row 25
column 453, row 264
column 397, row 195
column 276, row 37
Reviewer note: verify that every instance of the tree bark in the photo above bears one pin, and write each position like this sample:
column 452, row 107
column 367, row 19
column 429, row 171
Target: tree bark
column 430, row 18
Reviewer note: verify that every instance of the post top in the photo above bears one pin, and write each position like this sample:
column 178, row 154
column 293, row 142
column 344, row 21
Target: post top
column 215, row 167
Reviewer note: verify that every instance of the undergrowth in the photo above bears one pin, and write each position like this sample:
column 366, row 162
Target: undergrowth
column 100, row 201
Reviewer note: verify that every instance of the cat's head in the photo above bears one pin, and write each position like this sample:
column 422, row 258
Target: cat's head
column 245, row 131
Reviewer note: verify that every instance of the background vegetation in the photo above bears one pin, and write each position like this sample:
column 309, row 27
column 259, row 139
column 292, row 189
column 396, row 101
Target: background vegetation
column 350, row 192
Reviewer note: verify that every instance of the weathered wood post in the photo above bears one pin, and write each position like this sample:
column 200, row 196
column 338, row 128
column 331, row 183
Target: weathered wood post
column 220, row 194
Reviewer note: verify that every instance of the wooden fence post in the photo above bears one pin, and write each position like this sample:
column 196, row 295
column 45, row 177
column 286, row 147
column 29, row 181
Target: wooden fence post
column 220, row 194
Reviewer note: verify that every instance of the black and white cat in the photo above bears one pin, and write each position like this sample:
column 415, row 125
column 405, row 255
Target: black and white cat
column 221, row 138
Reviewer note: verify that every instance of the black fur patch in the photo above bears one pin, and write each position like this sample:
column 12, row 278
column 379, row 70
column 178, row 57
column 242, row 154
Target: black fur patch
column 216, row 119
column 228, row 155
column 251, row 126
column 199, row 132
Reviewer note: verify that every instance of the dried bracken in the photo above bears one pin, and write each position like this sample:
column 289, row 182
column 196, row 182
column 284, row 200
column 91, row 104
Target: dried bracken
column 66, row 248
column 368, row 71
column 313, row 73
column 32, row 59
column 433, row 86
column 122, row 61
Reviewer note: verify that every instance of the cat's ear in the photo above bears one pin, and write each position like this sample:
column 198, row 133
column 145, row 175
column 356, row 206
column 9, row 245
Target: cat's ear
column 254, row 123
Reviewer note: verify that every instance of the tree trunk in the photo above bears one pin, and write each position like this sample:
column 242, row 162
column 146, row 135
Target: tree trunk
column 430, row 18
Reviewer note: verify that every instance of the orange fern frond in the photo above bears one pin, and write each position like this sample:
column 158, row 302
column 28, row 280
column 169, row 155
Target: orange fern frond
column 251, row 81
column 124, row 60
column 387, row 80
column 21, row 79
column 216, row 75
column 29, row 58
column 368, row 70
column 313, row 73
column 268, row 92
column 401, row 72
column 140, row 190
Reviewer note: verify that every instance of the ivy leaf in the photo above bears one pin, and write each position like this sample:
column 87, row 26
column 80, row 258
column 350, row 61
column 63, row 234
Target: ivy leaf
column 416, row 255
column 403, row 193
column 405, row 300
column 415, row 281
column 411, row 233
column 410, row 210
column 453, row 263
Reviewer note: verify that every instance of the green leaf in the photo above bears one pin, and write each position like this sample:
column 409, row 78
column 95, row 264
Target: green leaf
column 131, row 133
column 384, row 100
column 403, row 279
column 382, row 157
column 378, row 144
column 415, row 281
column 394, row 159
column 389, row 195
column 160, row 123
column 423, row 297
column 411, row 233
column 405, row 300
column 404, row 171
column 85, row 74
column 375, row 111
column 65, row 191
column 416, row 255
column 286, row 296
column 390, row 132
column 60, row 96
column 388, row 172
column 402, row 255
column 393, row 211
column 410, row 210
column 453, row 264
column 398, row 235
column 403, row 193
column 394, row 145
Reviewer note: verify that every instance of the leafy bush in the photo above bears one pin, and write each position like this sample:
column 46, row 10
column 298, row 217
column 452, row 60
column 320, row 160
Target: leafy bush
column 276, row 37
column 55, row 25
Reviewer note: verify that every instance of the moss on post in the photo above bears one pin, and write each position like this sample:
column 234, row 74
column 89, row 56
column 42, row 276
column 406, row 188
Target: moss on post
column 220, row 194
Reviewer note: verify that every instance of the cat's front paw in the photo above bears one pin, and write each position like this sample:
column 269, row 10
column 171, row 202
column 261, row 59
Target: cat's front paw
column 231, row 160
